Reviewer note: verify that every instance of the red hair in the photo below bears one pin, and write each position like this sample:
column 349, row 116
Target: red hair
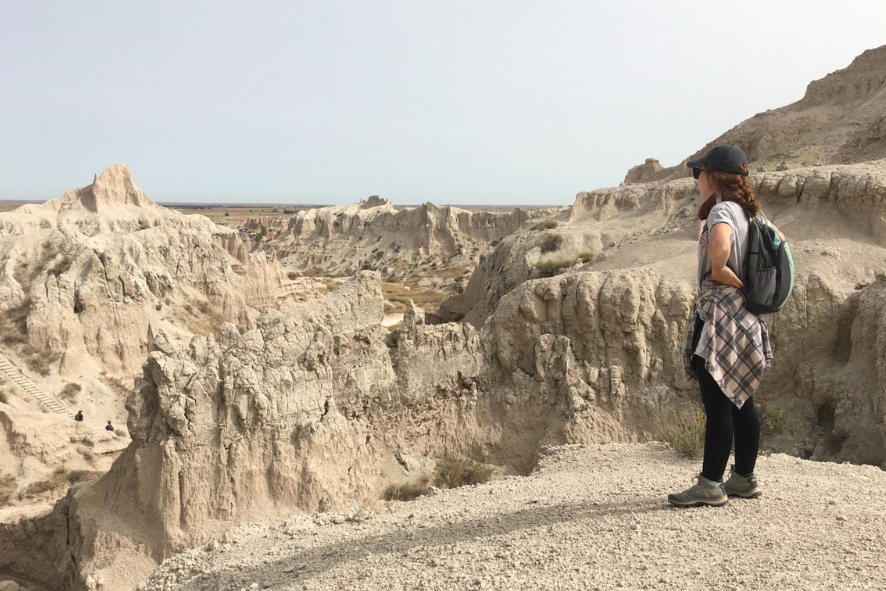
column 735, row 187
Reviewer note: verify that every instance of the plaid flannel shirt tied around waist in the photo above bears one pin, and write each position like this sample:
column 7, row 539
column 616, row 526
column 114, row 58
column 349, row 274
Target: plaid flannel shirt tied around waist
column 734, row 343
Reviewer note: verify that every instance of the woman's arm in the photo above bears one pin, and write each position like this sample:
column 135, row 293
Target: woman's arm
column 719, row 247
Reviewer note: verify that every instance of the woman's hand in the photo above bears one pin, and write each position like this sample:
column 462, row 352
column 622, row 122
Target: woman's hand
column 719, row 247
column 725, row 276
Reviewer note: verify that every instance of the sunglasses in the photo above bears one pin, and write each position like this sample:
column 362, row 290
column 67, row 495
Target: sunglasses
column 696, row 172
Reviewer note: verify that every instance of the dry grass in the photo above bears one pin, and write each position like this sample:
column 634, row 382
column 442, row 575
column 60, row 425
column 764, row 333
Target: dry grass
column 451, row 272
column 75, row 476
column 545, row 225
column 57, row 479
column 683, row 430
column 450, row 473
column 14, row 324
column 407, row 491
column 551, row 242
column 40, row 360
column 553, row 267
column 7, row 488
column 398, row 294
column 60, row 478
column 115, row 384
column 70, row 391
column 774, row 421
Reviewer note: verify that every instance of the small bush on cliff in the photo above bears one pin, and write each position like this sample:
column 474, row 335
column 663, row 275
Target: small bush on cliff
column 55, row 480
column 70, row 391
column 552, row 268
column 7, row 487
column 545, row 225
column 586, row 257
column 684, row 431
column 774, row 421
column 59, row 478
column 115, row 383
column 551, row 242
column 408, row 491
column 14, row 324
column 40, row 360
column 452, row 473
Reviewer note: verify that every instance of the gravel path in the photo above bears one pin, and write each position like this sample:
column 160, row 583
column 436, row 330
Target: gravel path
column 589, row 517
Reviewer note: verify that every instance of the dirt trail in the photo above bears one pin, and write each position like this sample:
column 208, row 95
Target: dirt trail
column 592, row 517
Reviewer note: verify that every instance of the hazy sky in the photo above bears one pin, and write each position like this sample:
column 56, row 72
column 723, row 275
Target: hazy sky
column 455, row 101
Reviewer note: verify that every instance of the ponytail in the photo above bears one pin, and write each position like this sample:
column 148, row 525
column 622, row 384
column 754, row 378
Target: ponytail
column 734, row 187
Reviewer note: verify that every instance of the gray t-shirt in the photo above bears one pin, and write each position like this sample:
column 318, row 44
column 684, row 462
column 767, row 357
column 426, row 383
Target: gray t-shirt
column 725, row 212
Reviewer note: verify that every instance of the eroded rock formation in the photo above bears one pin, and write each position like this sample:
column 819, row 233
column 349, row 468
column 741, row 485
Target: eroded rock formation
column 89, row 274
column 840, row 120
column 404, row 244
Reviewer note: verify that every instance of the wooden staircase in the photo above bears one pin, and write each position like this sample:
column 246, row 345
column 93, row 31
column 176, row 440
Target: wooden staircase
column 48, row 402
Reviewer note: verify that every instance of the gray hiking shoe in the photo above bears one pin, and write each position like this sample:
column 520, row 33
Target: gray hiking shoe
column 741, row 486
column 705, row 492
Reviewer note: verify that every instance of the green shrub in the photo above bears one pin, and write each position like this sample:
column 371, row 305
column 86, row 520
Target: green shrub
column 552, row 267
column 586, row 256
column 551, row 242
column 545, row 225
column 775, row 422
column 684, row 431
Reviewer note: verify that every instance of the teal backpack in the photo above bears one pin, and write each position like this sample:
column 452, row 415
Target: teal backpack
column 769, row 268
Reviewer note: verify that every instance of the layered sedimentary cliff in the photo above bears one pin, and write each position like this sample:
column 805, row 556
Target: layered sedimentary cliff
column 87, row 275
column 405, row 244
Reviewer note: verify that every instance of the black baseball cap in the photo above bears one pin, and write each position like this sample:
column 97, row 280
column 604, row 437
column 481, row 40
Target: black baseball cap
column 722, row 158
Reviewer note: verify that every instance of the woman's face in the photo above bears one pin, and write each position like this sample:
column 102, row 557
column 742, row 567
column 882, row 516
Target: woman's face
column 705, row 187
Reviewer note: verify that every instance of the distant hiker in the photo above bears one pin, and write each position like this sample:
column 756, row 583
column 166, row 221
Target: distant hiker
column 109, row 426
column 79, row 416
column 727, row 347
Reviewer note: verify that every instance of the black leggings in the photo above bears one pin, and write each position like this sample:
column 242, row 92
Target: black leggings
column 723, row 419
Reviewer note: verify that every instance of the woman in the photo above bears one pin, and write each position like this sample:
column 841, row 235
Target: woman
column 727, row 346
